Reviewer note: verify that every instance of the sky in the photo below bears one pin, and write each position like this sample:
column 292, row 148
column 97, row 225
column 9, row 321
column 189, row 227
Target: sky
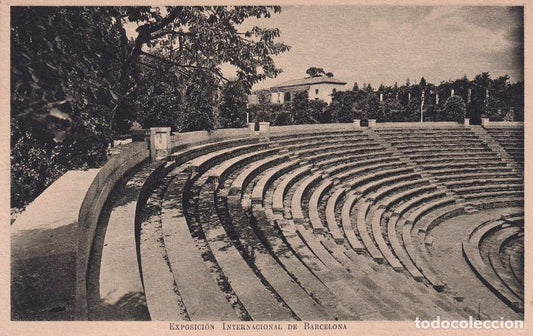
column 390, row 44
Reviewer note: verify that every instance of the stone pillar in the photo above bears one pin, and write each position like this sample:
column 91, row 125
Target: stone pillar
column 357, row 123
column 437, row 99
column 251, row 126
column 371, row 123
column 381, row 97
column 467, row 122
column 469, row 98
column 510, row 114
column 409, row 97
column 422, row 99
column 264, row 129
column 485, row 122
column 159, row 143
column 453, row 93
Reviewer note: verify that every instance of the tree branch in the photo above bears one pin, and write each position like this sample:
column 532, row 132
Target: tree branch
column 214, row 71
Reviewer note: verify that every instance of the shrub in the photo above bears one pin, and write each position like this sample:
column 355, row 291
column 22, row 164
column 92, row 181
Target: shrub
column 301, row 112
column 454, row 109
column 495, row 109
column 64, row 83
column 391, row 110
column 233, row 105
column 342, row 106
column 317, row 110
column 369, row 105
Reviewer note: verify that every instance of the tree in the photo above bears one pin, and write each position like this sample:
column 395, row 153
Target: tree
column 233, row 105
column 412, row 110
column 423, row 83
column 279, row 114
column 496, row 109
column 516, row 99
column 315, row 72
column 454, row 109
column 77, row 80
column 204, row 37
column 369, row 104
column 196, row 41
column 198, row 110
column 318, row 111
column 301, row 113
column 160, row 103
column 65, row 75
column 342, row 106
column 391, row 110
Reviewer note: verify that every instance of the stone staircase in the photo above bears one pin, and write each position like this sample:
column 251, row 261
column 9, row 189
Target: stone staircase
column 495, row 146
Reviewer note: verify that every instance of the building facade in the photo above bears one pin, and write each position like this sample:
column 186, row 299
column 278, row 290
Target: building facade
column 318, row 88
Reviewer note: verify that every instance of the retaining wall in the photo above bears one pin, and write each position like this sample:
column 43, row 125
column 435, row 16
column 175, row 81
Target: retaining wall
column 498, row 124
column 416, row 124
column 311, row 128
column 112, row 172
column 181, row 139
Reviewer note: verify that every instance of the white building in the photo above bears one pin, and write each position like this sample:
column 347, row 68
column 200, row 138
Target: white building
column 318, row 88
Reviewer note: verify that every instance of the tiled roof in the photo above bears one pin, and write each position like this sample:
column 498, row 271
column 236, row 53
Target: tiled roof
column 309, row 81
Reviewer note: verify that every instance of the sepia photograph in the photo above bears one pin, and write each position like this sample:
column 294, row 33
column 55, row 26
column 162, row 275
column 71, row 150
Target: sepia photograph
column 267, row 168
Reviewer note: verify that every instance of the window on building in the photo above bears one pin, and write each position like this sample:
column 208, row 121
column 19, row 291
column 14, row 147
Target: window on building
column 287, row 97
column 316, row 91
column 334, row 90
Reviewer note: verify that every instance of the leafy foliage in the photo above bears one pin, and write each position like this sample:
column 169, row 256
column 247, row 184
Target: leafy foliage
column 342, row 106
column 369, row 104
column 391, row 110
column 412, row 110
column 495, row 109
column 454, row 109
column 65, row 71
column 233, row 105
column 77, row 80
column 301, row 113
column 315, row 72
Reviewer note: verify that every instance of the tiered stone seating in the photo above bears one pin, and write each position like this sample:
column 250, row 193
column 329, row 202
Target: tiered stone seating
column 347, row 224
column 511, row 139
column 331, row 220
column 281, row 188
column 260, row 303
column 415, row 243
column 200, row 164
column 473, row 255
column 260, row 187
column 314, row 217
column 117, row 248
column 264, row 179
column 494, row 254
column 252, row 170
column 188, row 267
column 323, row 226
column 516, row 260
column 316, row 194
column 457, row 157
column 297, row 211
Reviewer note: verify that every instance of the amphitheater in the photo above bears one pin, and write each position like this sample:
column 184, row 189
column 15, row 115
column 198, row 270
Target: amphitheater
column 310, row 222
